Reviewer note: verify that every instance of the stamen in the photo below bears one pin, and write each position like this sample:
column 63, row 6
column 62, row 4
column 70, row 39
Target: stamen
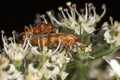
column 37, row 20
column 14, row 36
column 74, row 6
column 70, row 17
column 49, row 13
column 68, row 3
column 10, row 39
column 61, row 9
column 26, row 28
column 79, row 15
column 91, row 21
column 25, row 42
column 43, row 43
column 86, row 12
column 58, row 46
column 28, row 43
column 71, row 9
column 2, row 32
column 13, row 45
column 94, row 11
column 43, row 17
column 5, row 45
column 82, row 11
column 89, row 8
column 111, row 20
column 66, row 10
column 61, row 48
column 39, row 45
column 104, row 10
column 90, row 4
column 92, row 18
column 73, row 13
column 26, row 46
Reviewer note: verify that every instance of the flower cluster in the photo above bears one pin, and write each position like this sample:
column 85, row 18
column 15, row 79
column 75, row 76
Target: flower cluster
column 27, row 62
column 112, row 32
column 48, row 53
column 84, row 21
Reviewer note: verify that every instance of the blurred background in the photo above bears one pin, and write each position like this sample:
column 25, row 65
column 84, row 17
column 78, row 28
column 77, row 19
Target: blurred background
column 14, row 15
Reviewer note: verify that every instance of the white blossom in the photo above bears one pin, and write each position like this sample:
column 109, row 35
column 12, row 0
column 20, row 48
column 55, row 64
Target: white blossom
column 33, row 74
column 4, row 62
column 32, row 77
column 11, row 74
column 62, row 59
column 114, row 64
column 63, row 75
column 85, row 21
column 14, row 50
column 112, row 32
column 108, row 37
column 89, row 48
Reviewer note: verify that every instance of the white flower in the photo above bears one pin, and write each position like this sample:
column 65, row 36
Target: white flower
column 34, row 50
column 32, row 77
column 12, row 69
column 55, row 60
column 48, row 74
column 51, row 73
column 112, row 32
column 52, row 61
column 33, row 74
column 16, row 75
column 108, row 37
column 89, row 48
column 84, row 21
column 14, row 50
column 31, row 69
column 114, row 65
column 4, row 62
column 11, row 74
column 117, row 39
column 63, row 75
column 3, row 75
column 62, row 59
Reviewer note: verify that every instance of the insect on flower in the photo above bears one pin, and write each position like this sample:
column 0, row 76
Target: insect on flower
column 39, row 30
column 53, row 40
column 41, row 35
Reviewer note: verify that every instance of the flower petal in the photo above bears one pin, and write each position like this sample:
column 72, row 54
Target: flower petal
column 108, row 37
column 115, row 66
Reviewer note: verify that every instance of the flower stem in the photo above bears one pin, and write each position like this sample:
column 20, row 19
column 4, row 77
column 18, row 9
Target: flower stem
column 106, row 52
column 100, row 48
column 83, row 69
